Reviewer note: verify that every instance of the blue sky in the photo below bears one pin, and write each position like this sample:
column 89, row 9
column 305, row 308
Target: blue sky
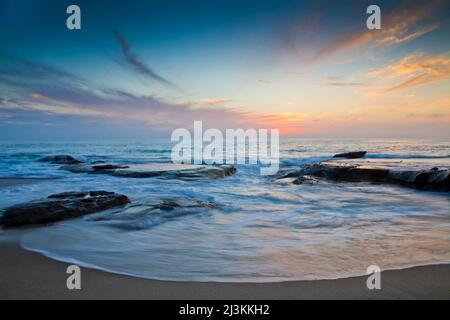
column 139, row 69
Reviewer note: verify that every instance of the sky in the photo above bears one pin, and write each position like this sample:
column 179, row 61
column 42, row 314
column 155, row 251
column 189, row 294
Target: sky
column 140, row 69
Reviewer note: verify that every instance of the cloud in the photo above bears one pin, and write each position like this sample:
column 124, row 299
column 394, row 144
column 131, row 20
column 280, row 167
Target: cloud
column 134, row 61
column 346, row 84
column 344, row 43
column 37, row 96
column 34, row 92
column 401, row 25
column 77, row 103
column 413, row 70
column 398, row 35
column 211, row 101
column 334, row 78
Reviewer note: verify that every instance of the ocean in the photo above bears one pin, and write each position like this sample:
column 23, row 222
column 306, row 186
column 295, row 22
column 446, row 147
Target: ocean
column 254, row 229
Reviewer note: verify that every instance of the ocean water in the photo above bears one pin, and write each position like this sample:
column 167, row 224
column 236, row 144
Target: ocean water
column 255, row 230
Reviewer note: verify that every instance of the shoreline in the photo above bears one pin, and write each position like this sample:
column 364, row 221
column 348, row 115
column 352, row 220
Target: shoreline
column 30, row 275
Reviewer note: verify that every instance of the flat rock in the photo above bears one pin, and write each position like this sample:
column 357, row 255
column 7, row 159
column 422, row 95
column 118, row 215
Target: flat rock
column 60, row 159
column 162, row 170
column 426, row 179
column 61, row 206
column 351, row 155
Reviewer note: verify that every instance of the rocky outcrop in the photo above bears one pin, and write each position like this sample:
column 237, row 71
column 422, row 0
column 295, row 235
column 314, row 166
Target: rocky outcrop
column 351, row 155
column 61, row 206
column 61, row 159
column 167, row 170
column 430, row 179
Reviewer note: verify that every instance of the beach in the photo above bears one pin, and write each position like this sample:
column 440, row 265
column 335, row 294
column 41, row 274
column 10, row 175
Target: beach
column 29, row 275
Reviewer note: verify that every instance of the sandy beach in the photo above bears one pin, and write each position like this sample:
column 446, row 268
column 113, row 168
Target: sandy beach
column 28, row 275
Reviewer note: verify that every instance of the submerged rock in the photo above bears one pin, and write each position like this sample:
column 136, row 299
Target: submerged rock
column 108, row 167
column 427, row 179
column 351, row 155
column 61, row 206
column 60, row 159
column 150, row 212
column 305, row 180
column 167, row 170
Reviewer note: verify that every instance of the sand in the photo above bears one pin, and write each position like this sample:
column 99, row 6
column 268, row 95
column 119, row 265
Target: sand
column 29, row 275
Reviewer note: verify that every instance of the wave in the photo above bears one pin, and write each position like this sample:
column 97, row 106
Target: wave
column 151, row 212
column 302, row 161
column 150, row 151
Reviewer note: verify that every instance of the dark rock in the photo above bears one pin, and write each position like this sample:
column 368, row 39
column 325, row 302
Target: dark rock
column 421, row 179
column 305, row 180
column 351, row 155
column 61, row 159
column 108, row 167
column 61, row 206
column 162, row 170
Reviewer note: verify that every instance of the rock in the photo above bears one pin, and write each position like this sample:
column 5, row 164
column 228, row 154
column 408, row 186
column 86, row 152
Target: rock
column 61, row 159
column 61, row 206
column 162, row 170
column 149, row 212
column 108, row 167
column 305, row 180
column 351, row 155
column 421, row 179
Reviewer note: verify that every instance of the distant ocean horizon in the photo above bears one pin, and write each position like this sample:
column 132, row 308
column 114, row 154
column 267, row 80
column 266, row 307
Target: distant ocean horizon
column 256, row 229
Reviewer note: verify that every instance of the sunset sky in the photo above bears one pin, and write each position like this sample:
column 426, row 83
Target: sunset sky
column 139, row 69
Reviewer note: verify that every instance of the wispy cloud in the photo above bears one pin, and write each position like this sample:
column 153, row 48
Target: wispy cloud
column 135, row 62
column 208, row 103
column 211, row 101
column 399, row 34
column 56, row 93
column 346, row 84
column 413, row 70
column 402, row 25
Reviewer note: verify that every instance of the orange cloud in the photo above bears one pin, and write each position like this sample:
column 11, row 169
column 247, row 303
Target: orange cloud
column 207, row 102
column 288, row 123
column 413, row 70
column 346, row 84
column 38, row 96
column 398, row 27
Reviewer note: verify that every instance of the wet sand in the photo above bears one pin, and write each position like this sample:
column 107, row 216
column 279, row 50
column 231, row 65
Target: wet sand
column 29, row 275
